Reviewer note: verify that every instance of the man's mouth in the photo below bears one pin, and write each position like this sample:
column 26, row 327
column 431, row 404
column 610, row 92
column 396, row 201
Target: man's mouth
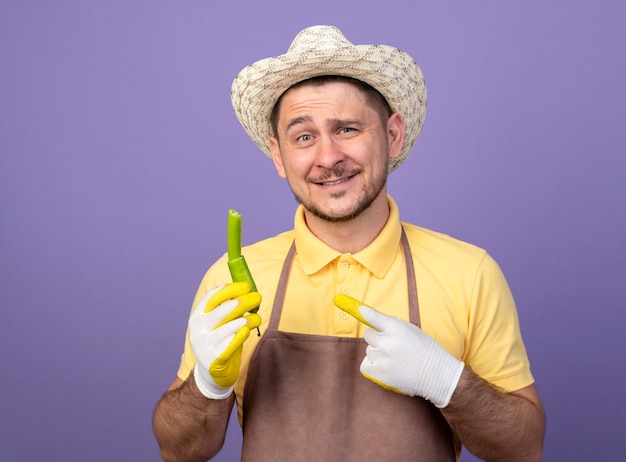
column 335, row 182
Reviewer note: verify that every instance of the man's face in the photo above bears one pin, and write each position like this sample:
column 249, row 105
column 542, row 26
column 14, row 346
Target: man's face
column 333, row 148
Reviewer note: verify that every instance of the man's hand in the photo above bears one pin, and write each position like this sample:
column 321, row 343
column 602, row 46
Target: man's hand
column 218, row 327
column 402, row 358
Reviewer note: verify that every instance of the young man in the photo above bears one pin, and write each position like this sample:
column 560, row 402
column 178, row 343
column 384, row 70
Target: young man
column 380, row 340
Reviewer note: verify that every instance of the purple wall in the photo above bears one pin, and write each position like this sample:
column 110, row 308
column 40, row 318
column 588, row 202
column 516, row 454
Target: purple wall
column 120, row 155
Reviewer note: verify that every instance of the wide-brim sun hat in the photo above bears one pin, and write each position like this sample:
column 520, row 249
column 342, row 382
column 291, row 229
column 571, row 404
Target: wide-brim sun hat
column 324, row 50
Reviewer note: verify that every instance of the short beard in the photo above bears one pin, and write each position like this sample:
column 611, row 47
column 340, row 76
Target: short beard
column 369, row 194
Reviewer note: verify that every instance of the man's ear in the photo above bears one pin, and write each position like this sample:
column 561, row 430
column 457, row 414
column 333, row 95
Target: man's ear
column 395, row 135
column 277, row 157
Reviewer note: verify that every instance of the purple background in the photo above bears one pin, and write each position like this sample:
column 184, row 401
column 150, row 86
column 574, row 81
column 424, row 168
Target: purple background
column 120, row 155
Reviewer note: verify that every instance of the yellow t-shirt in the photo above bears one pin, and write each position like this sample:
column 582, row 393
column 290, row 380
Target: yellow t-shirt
column 464, row 300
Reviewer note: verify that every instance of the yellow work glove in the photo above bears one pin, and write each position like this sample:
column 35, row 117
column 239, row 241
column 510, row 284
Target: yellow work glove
column 218, row 327
column 402, row 358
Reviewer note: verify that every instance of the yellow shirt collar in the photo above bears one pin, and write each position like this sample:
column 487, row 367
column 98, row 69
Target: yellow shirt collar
column 313, row 254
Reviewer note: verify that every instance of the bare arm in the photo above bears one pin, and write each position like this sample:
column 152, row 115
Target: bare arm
column 188, row 426
column 497, row 426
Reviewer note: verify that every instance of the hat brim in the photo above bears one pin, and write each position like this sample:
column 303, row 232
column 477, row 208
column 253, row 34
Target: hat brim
column 389, row 70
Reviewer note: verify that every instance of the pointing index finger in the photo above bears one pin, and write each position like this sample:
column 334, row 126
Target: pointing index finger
column 351, row 306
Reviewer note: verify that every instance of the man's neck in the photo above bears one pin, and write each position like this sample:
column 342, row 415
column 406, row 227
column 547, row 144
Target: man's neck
column 353, row 235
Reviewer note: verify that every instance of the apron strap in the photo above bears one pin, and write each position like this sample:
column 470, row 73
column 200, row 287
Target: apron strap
column 414, row 308
column 279, row 298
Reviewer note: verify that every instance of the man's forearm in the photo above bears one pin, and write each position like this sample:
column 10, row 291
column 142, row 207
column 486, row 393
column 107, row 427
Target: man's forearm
column 188, row 426
column 496, row 426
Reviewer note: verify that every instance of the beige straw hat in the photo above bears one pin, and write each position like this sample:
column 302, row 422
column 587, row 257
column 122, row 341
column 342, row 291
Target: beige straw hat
column 324, row 50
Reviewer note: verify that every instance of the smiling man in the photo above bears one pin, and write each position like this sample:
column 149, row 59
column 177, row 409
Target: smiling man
column 381, row 340
column 332, row 143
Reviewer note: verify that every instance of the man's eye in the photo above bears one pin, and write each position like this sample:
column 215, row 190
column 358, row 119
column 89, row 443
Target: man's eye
column 305, row 138
column 347, row 130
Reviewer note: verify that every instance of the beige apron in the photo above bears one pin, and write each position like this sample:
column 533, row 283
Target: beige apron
column 306, row 400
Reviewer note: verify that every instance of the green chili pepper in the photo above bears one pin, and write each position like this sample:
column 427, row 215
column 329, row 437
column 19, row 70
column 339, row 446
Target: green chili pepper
column 237, row 265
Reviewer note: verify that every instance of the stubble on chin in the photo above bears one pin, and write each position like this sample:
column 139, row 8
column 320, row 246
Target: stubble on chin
column 364, row 202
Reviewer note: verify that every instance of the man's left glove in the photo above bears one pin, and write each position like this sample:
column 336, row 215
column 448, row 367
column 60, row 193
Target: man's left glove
column 402, row 358
column 218, row 327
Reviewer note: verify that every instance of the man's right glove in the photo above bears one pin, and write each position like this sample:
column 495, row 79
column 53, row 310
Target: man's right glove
column 218, row 327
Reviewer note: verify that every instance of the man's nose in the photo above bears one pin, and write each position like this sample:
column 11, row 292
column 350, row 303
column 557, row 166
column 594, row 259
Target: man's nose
column 329, row 152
